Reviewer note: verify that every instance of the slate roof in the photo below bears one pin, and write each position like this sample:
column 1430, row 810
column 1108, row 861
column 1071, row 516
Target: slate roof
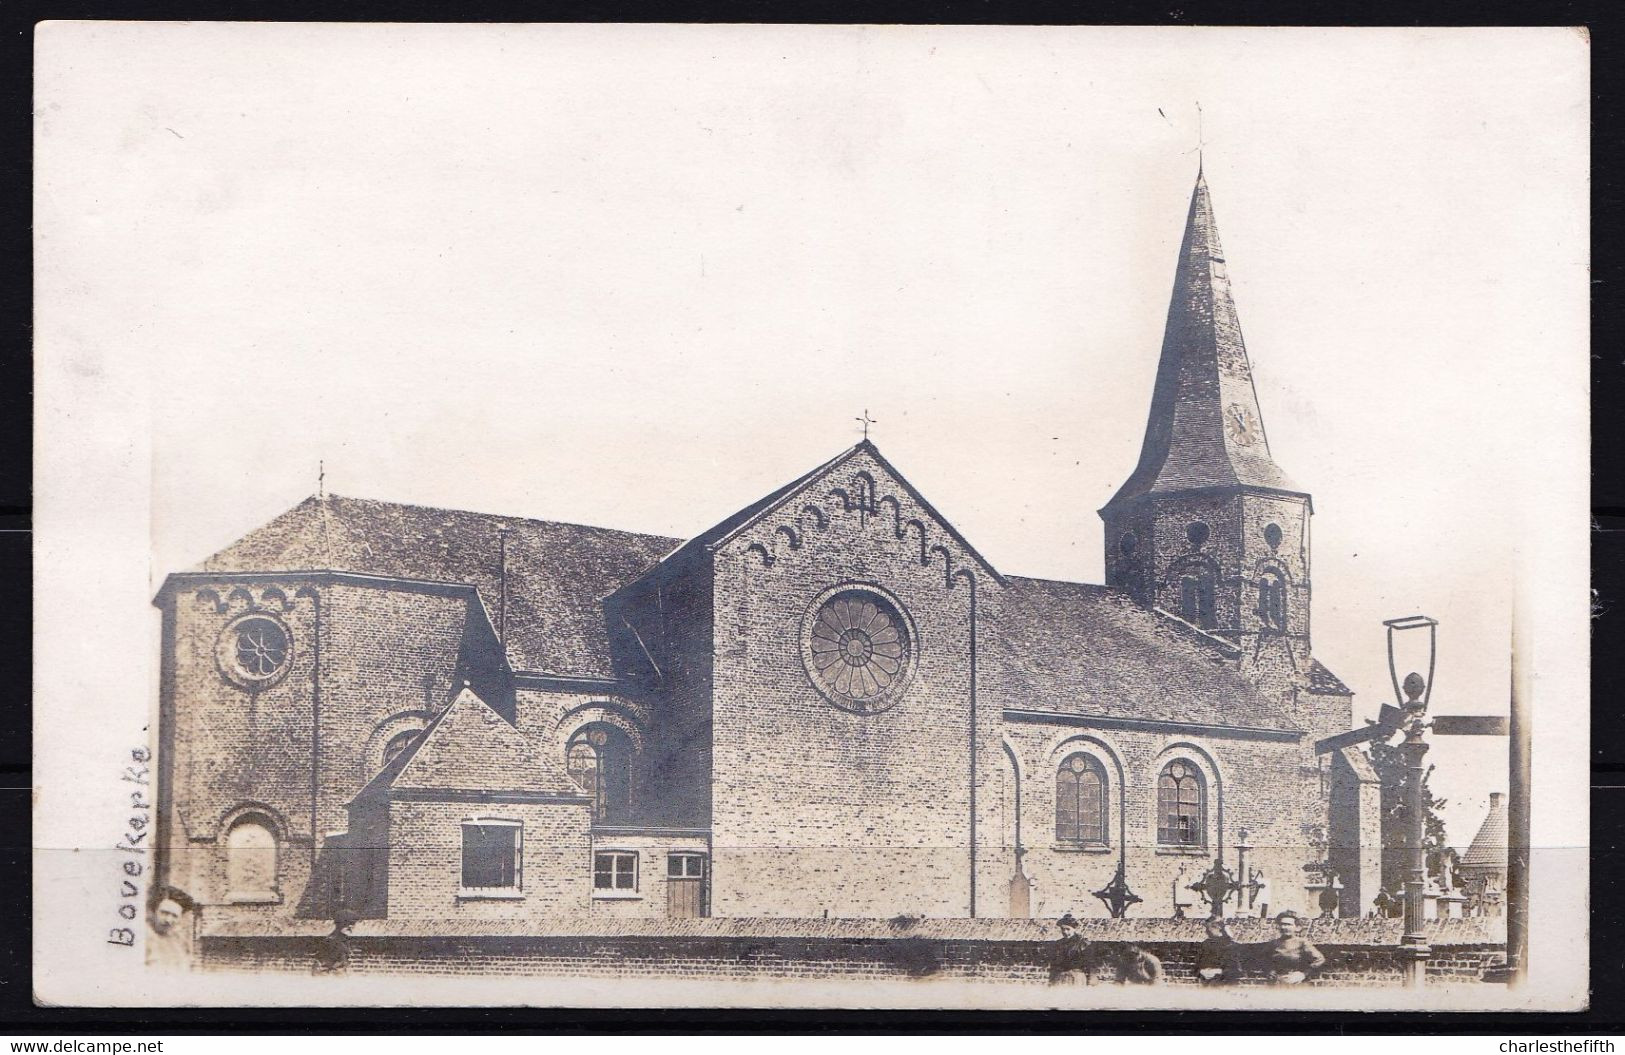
column 557, row 573
column 1488, row 852
column 1323, row 682
column 1084, row 649
column 471, row 747
column 1203, row 380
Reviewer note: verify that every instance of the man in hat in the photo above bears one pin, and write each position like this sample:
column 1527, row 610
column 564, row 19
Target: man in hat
column 1071, row 962
column 1218, row 958
column 1292, row 958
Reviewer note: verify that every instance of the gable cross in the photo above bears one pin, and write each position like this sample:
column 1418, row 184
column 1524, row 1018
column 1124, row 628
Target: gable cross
column 866, row 421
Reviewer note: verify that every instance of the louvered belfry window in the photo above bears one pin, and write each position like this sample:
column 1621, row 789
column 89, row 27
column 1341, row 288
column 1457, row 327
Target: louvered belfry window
column 1181, row 806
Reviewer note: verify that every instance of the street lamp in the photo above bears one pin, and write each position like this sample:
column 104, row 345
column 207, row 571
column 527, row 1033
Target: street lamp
column 1412, row 694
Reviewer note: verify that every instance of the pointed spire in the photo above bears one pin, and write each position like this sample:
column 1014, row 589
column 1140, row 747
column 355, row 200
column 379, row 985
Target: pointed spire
column 1205, row 428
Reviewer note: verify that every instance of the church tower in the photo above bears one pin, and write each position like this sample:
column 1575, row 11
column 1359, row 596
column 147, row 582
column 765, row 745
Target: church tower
column 1208, row 527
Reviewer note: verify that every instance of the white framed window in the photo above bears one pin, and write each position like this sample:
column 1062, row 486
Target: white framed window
column 493, row 857
column 685, row 866
column 615, row 873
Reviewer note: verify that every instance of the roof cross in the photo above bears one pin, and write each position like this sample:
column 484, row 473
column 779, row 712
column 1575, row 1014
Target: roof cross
column 866, row 421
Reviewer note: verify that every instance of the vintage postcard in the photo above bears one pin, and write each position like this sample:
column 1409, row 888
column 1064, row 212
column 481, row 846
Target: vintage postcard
column 840, row 516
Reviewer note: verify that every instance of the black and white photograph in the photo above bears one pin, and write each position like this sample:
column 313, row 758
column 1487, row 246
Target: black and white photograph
column 811, row 516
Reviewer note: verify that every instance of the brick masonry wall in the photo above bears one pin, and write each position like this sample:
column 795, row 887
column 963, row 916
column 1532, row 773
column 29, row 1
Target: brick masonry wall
column 802, row 958
column 426, row 852
column 817, row 809
column 649, row 899
column 384, row 655
column 1262, row 786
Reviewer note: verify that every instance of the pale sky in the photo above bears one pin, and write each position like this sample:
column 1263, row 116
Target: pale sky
column 639, row 276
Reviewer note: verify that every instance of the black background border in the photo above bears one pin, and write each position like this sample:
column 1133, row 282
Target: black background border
column 18, row 1014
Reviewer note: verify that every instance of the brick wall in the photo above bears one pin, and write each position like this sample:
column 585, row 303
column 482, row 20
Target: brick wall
column 425, row 861
column 649, row 899
column 385, row 656
column 816, row 808
column 1269, row 788
column 799, row 958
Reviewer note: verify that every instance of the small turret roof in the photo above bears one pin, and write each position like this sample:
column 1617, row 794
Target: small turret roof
column 1488, row 852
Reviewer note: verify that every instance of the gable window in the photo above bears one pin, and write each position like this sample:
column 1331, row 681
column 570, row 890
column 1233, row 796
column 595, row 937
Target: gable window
column 1181, row 806
column 1196, row 597
column 1080, row 801
column 1272, row 600
column 491, row 855
column 615, row 871
column 251, row 860
column 599, row 759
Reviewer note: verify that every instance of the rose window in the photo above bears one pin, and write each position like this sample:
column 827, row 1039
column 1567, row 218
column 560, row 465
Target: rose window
column 262, row 646
column 254, row 651
column 858, row 650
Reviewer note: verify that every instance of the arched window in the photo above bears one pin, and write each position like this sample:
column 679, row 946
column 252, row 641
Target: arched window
column 1196, row 596
column 599, row 758
column 1181, row 806
column 251, row 853
column 398, row 743
column 1080, row 801
column 1272, row 600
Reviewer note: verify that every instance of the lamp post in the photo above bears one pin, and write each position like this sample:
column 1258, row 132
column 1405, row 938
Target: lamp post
column 1410, row 718
column 1413, row 694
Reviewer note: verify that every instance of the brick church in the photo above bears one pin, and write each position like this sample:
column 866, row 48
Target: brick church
column 827, row 705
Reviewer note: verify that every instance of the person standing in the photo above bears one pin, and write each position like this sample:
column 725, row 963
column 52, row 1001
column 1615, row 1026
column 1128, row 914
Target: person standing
column 1070, row 959
column 1218, row 958
column 1292, row 958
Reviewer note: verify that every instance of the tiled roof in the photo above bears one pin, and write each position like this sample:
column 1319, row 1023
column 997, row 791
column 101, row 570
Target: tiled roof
column 473, row 748
column 1204, row 386
column 557, row 573
column 1078, row 648
column 1488, row 852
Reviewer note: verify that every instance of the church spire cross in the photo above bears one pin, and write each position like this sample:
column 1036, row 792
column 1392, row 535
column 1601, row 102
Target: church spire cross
column 866, row 421
column 1201, row 141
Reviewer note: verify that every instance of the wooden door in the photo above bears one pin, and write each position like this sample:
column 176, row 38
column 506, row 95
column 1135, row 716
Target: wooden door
column 685, row 885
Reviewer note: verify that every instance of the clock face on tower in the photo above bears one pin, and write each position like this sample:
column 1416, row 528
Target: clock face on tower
column 1240, row 423
column 858, row 647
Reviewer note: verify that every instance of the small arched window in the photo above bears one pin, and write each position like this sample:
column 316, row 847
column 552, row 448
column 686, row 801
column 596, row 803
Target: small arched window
column 599, row 759
column 1181, row 806
column 251, row 860
column 1080, row 801
column 398, row 743
column 1272, row 600
column 1196, row 597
